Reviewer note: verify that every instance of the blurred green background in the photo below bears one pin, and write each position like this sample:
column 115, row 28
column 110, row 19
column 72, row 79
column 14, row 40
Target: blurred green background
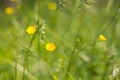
column 71, row 20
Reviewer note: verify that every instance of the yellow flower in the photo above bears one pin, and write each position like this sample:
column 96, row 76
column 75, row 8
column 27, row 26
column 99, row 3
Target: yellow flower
column 52, row 6
column 55, row 77
column 9, row 10
column 12, row 0
column 50, row 46
column 31, row 30
column 102, row 38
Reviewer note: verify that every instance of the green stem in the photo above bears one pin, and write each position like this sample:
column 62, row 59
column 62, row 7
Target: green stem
column 4, row 75
column 28, row 49
column 15, row 70
column 111, row 20
column 25, row 65
column 38, row 24
column 68, row 26
column 69, row 62
column 67, row 72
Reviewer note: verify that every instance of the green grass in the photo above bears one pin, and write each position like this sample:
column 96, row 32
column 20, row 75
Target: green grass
column 74, row 27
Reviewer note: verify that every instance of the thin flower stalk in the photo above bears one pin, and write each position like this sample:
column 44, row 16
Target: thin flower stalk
column 39, row 34
column 28, row 49
column 15, row 70
column 70, row 59
column 67, row 28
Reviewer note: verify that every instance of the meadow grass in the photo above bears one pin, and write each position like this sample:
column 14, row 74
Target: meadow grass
column 59, row 40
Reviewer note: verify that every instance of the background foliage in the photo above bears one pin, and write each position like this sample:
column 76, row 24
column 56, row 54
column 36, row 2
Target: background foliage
column 74, row 27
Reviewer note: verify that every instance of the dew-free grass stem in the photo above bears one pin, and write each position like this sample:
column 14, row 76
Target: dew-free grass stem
column 39, row 34
column 25, row 65
column 15, row 70
column 111, row 20
column 70, row 59
column 4, row 75
column 68, row 26
column 28, row 49
column 67, row 72
column 26, row 55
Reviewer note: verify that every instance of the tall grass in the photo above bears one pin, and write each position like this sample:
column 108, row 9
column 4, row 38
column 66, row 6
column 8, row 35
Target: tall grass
column 74, row 26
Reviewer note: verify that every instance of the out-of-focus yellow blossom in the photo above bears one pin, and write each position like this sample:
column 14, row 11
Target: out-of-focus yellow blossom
column 55, row 77
column 50, row 46
column 9, row 10
column 52, row 6
column 102, row 38
column 31, row 30
column 12, row 0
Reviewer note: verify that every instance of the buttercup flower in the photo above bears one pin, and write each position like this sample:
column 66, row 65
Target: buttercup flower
column 55, row 77
column 12, row 0
column 31, row 30
column 50, row 46
column 52, row 6
column 102, row 38
column 9, row 10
